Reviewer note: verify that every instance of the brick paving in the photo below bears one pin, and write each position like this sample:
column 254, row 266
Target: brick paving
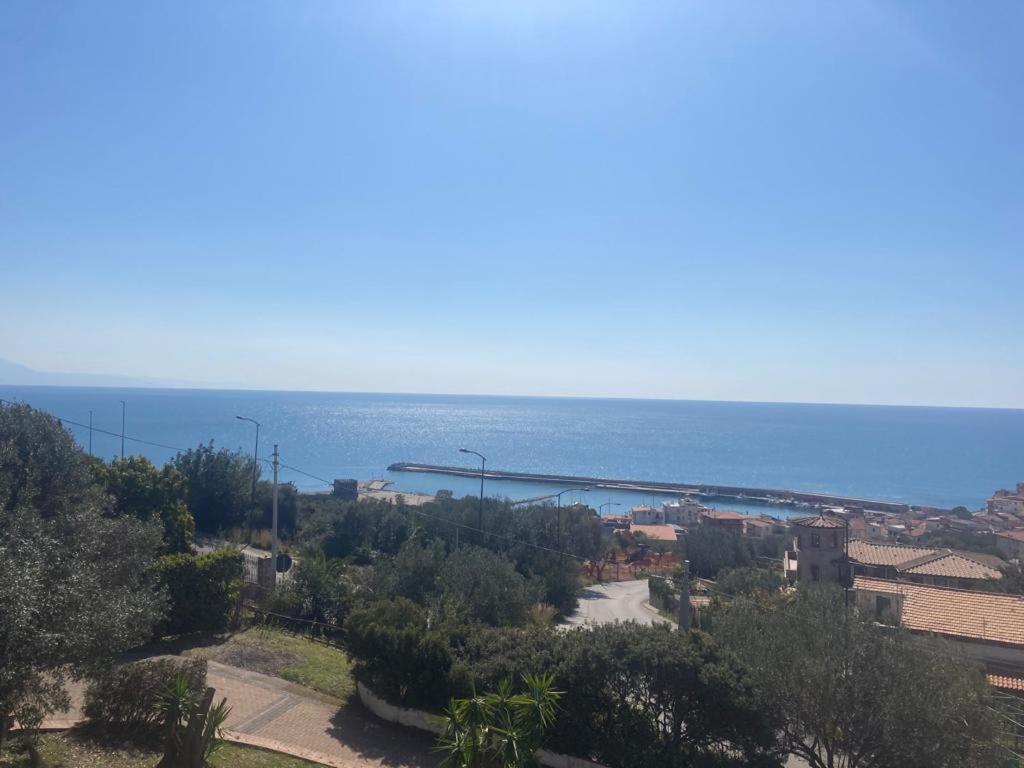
column 274, row 714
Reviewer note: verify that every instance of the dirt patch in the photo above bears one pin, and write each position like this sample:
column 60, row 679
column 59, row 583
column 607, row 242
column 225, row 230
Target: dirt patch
column 254, row 658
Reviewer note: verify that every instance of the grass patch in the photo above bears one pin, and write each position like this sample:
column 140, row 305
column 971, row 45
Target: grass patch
column 81, row 750
column 296, row 658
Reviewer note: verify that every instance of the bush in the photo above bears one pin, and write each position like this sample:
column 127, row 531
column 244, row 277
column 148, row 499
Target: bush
column 203, row 590
column 128, row 696
column 398, row 655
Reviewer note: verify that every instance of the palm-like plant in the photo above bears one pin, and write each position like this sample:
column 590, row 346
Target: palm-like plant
column 500, row 729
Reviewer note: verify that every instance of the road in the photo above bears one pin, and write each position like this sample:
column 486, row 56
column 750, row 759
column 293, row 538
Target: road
column 615, row 601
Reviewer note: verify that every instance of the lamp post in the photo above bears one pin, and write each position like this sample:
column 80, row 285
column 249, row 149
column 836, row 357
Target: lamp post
column 607, row 504
column 558, row 496
column 255, row 462
column 480, row 509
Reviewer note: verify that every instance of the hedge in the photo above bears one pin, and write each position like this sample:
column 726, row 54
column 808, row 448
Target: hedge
column 202, row 590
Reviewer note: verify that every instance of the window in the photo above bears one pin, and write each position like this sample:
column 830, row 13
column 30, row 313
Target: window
column 815, row 540
column 883, row 606
column 815, row 573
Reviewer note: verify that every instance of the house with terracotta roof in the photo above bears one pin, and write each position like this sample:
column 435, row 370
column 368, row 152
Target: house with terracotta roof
column 922, row 565
column 988, row 626
column 723, row 518
column 1011, row 544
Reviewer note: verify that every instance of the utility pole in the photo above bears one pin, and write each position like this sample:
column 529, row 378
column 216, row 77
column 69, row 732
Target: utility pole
column 273, row 545
column 90, row 433
column 124, row 410
column 684, row 598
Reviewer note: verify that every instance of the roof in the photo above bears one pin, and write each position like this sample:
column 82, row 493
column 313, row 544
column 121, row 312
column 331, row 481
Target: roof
column 1017, row 535
column 759, row 521
column 953, row 565
column 819, row 521
column 661, row 532
column 723, row 514
column 925, row 561
column 955, row 613
column 877, row 553
column 1006, row 683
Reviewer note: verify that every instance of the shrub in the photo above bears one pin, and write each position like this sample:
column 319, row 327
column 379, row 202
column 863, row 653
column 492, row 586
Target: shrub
column 129, row 695
column 203, row 590
column 397, row 655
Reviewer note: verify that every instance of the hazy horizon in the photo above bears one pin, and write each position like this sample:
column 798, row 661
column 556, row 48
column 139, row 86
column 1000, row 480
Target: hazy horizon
column 790, row 203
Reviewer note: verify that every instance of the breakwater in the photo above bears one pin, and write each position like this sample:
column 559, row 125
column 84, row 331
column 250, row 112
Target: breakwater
column 764, row 495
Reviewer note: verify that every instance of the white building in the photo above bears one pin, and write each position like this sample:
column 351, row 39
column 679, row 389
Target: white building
column 685, row 511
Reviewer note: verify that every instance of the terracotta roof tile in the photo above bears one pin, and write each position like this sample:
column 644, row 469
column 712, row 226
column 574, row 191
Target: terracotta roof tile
column 874, row 553
column 1006, row 683
column 954, row 566
column 957, row 613
column 1017, row 535
column 819, row 521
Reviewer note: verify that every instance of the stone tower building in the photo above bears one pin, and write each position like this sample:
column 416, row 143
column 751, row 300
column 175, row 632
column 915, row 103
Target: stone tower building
column 820, row 543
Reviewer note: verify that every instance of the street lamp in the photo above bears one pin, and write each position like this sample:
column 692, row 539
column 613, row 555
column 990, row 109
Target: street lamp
column 607, row 504
column 559, row 523
column 480, row 510
column 255, row 461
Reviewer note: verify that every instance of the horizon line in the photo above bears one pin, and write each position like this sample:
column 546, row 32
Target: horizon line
column 223, row 388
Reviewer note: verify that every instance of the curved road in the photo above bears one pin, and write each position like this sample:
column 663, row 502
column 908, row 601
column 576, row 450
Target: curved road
column 615, row 601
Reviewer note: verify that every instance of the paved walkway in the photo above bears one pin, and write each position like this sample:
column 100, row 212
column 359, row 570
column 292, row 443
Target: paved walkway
column 615, row 601
column 274, row 714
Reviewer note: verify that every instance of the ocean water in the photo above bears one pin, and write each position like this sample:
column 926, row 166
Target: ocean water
column 933, row 456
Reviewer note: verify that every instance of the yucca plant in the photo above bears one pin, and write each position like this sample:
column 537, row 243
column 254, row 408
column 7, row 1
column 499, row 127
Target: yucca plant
column 500, row 729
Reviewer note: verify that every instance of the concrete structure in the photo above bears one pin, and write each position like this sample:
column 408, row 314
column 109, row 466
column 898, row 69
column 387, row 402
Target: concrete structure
column 685, row 512
column 647, row 515
column 820, row 549
column 1007, row 502
column 725, row 519
column 1011, row 544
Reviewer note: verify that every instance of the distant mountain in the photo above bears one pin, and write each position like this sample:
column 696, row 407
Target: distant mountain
column 14, row 373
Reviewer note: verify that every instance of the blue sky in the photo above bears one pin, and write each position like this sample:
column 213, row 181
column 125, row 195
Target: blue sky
column 759, row 201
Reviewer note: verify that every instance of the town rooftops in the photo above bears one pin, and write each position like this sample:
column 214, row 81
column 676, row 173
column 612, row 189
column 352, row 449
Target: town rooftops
column 659, row 532
column 1017, row 535
column 956, row 613
column 819, row 521
column 874, row 553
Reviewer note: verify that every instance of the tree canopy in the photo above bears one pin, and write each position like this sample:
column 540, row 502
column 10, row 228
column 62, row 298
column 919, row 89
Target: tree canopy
column 76, row 586
column 849, row 693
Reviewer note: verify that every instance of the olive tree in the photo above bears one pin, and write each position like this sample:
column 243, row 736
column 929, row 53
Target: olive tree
column 850, row 693
column 75, row 585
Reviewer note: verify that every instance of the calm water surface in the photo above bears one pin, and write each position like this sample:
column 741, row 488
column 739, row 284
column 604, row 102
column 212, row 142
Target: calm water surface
column 936, row 456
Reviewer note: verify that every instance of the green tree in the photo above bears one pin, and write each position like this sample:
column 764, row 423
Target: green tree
column 848, row 693
column 487, row 586
column 202, row 590
column 748, row 581
column 139, row 489
column 218, row 486
column 501, row 729
column 711, row 549
column 76, row 587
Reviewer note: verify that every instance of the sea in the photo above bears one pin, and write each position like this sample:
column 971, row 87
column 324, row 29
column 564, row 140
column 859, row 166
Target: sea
column 920, row 455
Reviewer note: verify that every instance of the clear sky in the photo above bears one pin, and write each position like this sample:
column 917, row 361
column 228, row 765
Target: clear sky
column 797, row 201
